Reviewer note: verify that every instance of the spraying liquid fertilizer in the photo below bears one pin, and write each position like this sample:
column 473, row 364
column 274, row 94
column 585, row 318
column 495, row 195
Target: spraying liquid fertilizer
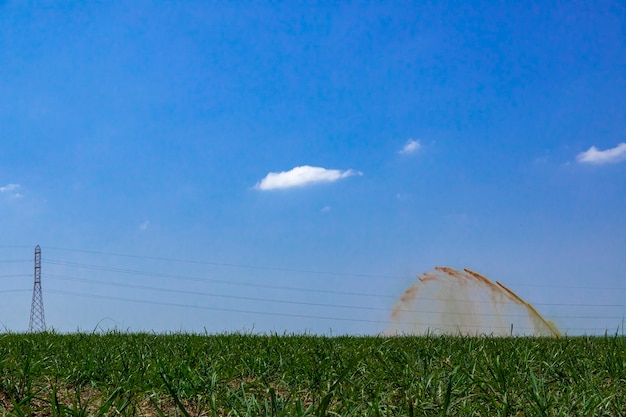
column 447, row 301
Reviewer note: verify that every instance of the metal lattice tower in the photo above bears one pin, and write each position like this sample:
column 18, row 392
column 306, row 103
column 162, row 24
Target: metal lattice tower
column 37, row 319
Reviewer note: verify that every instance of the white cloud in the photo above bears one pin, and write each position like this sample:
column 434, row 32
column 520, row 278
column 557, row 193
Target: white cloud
column 9, row 187
column 608, row 156
column 11, row 190
column 411, row 146
column 326, row 209
column 144, row 226
column 302, row 176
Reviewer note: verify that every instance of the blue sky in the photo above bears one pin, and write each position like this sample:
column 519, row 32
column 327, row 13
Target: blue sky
column 307, row 161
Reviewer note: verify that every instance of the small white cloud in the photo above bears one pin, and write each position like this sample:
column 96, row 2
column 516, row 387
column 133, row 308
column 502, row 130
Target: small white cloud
column 11, row 191
column 326, row 209
column 144, row 226
column 411, row 146
column 608, row 156
column 302, row 176
column 9, row 187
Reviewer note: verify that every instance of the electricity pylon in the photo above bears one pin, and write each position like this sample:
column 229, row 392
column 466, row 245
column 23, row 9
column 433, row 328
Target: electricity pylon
column 37, row 319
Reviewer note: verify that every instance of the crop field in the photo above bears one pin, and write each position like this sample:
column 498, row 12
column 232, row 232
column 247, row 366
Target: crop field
column 296, row 375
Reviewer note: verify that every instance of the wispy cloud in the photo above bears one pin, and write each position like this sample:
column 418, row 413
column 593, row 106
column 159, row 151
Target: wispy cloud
column 9, row 187
column 11, row 190
column 302, row 176
column 144, row 226
column 411, row 146
column 607, row 156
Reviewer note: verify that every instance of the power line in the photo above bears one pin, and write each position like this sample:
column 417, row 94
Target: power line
column 228, row 310
column 212, row 280
column 282, row 269
column 70, row 264
column 207, row 294
column 231, row 310
column 88, row 266
column 290, row 288
column 569, row 287
column 298, row 303
column 232, row 265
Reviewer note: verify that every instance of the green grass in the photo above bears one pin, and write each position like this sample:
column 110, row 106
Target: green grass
column 297, row 375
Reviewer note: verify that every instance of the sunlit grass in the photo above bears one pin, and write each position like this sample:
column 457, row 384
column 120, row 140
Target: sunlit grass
column 296, row 375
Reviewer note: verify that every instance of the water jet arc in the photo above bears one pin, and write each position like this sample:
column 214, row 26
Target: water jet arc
column 449, row 301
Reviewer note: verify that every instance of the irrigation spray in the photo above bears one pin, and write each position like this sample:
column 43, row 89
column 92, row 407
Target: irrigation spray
column 448, row 301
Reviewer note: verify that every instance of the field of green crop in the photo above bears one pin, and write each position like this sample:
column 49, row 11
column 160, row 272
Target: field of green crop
column 297, row 375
